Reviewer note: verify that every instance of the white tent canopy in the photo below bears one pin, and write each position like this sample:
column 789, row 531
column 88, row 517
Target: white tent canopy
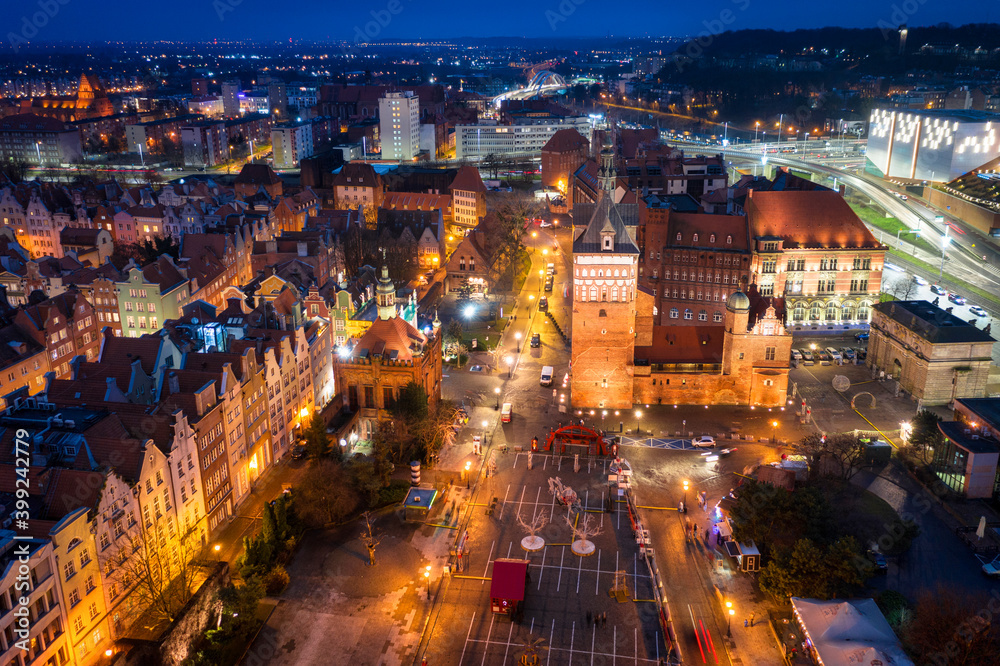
column 849, row 633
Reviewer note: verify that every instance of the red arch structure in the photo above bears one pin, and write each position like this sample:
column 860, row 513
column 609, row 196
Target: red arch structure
column 577, row 435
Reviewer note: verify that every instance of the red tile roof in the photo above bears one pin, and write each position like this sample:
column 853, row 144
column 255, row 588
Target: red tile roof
column 683, row 344
column 468, row 180
column 391, row 338
column 807, row 219
column 566, row 140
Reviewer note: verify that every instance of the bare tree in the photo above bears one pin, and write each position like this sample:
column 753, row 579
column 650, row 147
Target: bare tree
column 562, row 493
column 844, row 451
column 370, row 538
column 903, row 288
column 583, row 530
column 532, row 541
column 157, row 573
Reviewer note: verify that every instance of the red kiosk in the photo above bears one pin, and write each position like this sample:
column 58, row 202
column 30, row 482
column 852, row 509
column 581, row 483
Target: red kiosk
column 507, row 585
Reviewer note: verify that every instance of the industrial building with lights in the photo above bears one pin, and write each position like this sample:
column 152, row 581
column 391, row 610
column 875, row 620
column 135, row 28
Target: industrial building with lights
column 934, row 145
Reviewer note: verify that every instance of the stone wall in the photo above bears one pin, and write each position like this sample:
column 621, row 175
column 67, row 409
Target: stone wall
column 176, row 644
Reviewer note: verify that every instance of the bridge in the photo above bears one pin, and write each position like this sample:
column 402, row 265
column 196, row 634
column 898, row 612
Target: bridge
column 541, row 83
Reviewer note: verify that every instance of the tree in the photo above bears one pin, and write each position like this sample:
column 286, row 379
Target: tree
column 903, row 288
column 925, row 435
column 809, row 570
column 454, row 329
column 951, row 626
column 239, row 607
column 317, row 441
column 15, row 170
column 843, row 452
column 325, row 495
column 773, row 519
column 158, row 574
column 412, row 402
column 149, row 251
column 370, row 538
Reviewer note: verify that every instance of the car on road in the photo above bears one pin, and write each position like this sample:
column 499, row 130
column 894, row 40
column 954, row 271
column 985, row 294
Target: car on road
column 978, row 311
column 861, row 336
column 545, row 225
column 543, row 304
column 938, row 289
column 834, row 353
column 703, row 442
column 536, row 340
column 992, row 569
column 893, row 267
column 956, row 299
column 796, row 355
column 919, row 280
column 548, row 284
column 807, row 357
column 878, row 560
column 298, row 452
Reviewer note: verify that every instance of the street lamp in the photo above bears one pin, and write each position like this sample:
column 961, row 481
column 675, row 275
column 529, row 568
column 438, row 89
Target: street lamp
column 756, row 126
column 468, row 466
column 685, row 482
column 774, row 431
column 497, row 391
column 638, row 415
column 729, row 619
column 517, row 339
column 427, row 576
column 944, row 246
column 510, row 366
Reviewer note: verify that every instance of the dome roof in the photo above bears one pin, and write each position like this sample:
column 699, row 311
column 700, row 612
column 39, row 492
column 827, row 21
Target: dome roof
column 738, row 301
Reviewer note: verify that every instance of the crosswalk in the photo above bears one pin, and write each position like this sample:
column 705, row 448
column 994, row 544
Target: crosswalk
column 657, row 443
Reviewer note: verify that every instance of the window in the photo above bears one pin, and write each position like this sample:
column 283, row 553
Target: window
column 84, row 558
column 74, row 597
column 93, row 614
column 717, row 317
column 688, row 314
column 105, row 541
column 673, row 313
column 69, row 569
column 78, row 626
column 769, row 353
column 702, row 316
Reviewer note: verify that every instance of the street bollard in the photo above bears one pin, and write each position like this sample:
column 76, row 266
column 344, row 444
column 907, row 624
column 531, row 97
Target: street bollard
column 576, row 462
column 530, row 461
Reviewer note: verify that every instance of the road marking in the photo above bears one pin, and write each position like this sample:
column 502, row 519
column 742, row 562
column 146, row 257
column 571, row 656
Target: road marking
column 572, row 635
column 493, row 618
column 552, row 635
column 593, row 639
column 694, row 625
column 471, row 620
column 579, row 574
column 542, row 568
column 490, row 557
column 562, row 558
column 597, row 583
column 509, row 636
column 504, row 505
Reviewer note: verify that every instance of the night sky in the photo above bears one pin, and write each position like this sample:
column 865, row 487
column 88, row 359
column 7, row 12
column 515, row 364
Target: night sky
column 335, row 19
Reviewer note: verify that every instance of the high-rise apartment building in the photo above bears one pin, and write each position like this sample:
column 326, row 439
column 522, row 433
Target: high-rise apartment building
column 399, row 124
column 291, row 143
column 231, row 98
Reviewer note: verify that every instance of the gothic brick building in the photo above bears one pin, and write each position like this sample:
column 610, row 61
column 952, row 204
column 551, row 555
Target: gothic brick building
column 622, row 357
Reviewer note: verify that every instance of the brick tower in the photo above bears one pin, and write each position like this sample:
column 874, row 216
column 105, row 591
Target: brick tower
column 605, row 261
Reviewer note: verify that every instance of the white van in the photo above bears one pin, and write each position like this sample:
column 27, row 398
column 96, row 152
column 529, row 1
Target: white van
column 546, row 379
column 550, row 269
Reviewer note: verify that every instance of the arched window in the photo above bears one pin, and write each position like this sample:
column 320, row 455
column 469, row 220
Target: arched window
column 847, row 312
column 678, row 236
column 729, row 240
column 694, row 239
column 814, row 312
column 717, row 317
column 673, row 313
column 702, row 316
column 593, row 293
column 863, row 311
column 604, row 293
column 711, row 238
column 614, row 293
column 602, row 313
column 616, row 272
column 688, row 314
column 600, row 273
column 593, row 273
column 831, row 312
column 798, row 312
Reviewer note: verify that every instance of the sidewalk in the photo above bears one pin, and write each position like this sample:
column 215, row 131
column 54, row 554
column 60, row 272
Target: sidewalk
column 750, row 645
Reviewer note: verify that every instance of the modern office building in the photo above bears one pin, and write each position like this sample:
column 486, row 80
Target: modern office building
column 935, row 145
column 399, row 124
column 474, row 142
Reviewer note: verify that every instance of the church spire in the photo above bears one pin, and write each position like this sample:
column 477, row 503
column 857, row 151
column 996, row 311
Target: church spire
column 607, row 173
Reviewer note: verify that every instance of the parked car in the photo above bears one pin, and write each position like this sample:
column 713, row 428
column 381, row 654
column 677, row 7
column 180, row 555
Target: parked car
column 919, row 280
column 862, row 354
column 861, row 336
column 548, row 285
column 543, row 304
column 956, row 299
column 703, row 442
column 978, row 311
column 992, row 569
column 796, row 355
column 834, row 354
column 298, row 452
column 938, row 289
column 878, row 559
column 808, row 357
column 847, row 353
column 536, row 340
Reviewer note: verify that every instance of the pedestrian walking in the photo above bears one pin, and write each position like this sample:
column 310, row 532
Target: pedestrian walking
column 604, row 619
column 751, row 618
column 588, row 618
column 746, row 623
column 694, row 531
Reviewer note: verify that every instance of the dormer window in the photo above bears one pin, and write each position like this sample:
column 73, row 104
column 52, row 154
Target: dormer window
column 609, row 242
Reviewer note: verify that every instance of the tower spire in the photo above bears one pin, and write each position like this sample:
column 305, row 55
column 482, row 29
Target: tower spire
column 607, row 173
column 385, row 293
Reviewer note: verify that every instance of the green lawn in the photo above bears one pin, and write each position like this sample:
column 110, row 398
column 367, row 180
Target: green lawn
column 891, row 226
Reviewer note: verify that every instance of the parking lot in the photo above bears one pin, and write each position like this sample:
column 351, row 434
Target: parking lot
column 562, row 587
